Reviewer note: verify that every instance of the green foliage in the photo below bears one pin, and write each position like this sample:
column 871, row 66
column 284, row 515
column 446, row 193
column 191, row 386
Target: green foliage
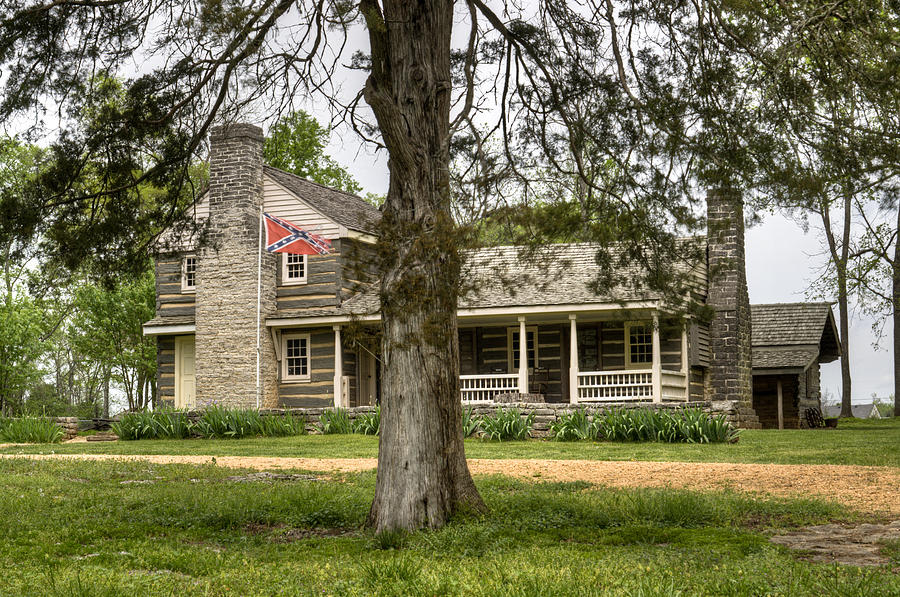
column 368, row 423
column 220, row 422
column 107, row 326
column 470, row 423
column 334, row 421
column 158, row 424
column 22, row 323
column 690, row 425
column 573, row 426
column 31, row 430
column 507, row 424
column 214, row 422
column 296, row 143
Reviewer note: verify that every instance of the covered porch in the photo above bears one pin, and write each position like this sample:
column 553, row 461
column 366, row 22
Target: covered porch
column 638, row 355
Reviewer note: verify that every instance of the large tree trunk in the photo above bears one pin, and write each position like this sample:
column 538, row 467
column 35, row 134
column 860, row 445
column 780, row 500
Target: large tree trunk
column 839, row 256
column 895, row 270
column 106, row 375
column 843, row 307
column 422, row 476
column 844, row 316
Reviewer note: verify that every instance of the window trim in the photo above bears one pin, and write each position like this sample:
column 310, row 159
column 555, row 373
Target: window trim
column 185, row 289
column 284, row 358
column 628, row 363
column 285, row 281
column 511, row 348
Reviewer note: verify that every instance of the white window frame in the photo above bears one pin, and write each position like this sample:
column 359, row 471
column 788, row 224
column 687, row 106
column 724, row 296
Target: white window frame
column 628, row 363
column 185, row 288
column 284, row 357
column 512, row 347
column 285, row 281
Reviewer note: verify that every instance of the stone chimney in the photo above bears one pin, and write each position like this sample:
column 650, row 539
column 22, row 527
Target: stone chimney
column 731, row 375
column 227, row 277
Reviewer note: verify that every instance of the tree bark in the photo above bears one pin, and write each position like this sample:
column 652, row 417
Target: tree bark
column 895, row 295
column 839, row 258
column 422, row 475
column 106, row 395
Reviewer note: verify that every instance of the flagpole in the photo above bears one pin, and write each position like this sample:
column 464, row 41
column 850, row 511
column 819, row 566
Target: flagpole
column 258, row 295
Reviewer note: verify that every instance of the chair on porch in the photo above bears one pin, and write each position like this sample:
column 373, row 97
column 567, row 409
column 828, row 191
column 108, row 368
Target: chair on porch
column 540, row 380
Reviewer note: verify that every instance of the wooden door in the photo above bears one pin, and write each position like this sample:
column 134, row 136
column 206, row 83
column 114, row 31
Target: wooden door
column 367, row 381
column 185, row 372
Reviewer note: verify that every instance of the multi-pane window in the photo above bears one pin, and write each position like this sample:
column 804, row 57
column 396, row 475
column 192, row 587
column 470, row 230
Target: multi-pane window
column 294, row 268
column 531, row 348
column 640, row 344
column 189, row 273
column 296, row 357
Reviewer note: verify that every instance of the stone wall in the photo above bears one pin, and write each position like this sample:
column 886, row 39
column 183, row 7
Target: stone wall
column 546, row 413
column 69, row 426
column 227, row 276
column 730, row 366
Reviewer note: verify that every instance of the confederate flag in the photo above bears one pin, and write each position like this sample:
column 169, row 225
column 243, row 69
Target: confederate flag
column 285, row 237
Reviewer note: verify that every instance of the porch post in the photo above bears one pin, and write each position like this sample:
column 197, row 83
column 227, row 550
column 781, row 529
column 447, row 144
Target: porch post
column 523, row 357
column 657, row 361
column 573, row 359
column 338, row 367
column 685, row 365
column 780, row 405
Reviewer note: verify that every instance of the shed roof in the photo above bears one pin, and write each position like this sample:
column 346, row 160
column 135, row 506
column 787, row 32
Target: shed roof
column 346, row 209
column 793, row 335
column 783, row 357
column 789, row 323
column 163, row 320
column 860, row 411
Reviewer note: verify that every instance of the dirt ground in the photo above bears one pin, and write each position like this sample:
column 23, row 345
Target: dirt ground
column 866, row 488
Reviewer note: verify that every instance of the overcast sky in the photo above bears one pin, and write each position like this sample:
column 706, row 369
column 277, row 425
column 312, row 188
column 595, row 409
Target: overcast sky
column 781, row 261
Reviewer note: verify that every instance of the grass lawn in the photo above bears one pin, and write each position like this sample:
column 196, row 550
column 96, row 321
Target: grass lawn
column 129, row 528
column 854, row 442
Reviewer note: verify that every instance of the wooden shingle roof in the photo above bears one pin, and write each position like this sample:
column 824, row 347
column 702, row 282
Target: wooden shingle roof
column 789, row 323
column 793, row 335
column 346, row 209
column 555, row 275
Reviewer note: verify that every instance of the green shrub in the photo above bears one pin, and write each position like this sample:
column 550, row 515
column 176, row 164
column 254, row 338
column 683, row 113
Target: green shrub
column 507, row 424
column 334, row 421
column 220, row 422
column 30, row 430
column 690, row 425
column 470, row 423
column 158, row 424
column 573, row 426
column 368, row 423
column 215, row 422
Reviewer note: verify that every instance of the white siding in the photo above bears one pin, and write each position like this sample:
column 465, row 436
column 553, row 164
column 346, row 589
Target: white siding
column 284, row 204
column 278, row 202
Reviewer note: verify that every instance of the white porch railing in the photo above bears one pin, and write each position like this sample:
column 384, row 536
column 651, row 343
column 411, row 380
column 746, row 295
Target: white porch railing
column 615, row 386
column 482, row 388
column 674, row 386
column 625, row 386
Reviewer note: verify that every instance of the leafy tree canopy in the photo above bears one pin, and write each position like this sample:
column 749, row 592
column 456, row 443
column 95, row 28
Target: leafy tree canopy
column 296, row 143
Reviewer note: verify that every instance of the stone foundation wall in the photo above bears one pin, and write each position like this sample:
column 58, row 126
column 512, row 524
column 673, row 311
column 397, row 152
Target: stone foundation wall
column 69, row 426
column 546, row 413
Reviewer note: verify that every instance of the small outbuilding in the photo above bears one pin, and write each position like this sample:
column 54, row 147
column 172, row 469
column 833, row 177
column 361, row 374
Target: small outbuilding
column 860, row 411
column 789, row 343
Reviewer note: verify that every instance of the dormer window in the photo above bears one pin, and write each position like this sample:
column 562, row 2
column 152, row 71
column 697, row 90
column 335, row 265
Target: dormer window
column 293, row 269
column 189, row 274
